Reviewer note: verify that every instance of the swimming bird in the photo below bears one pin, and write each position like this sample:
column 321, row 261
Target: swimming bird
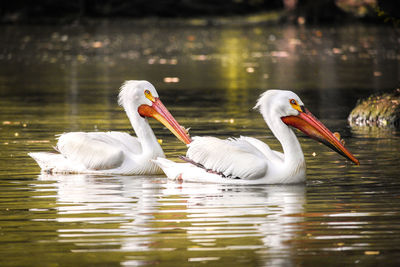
column 116, row 152
column 247, row 160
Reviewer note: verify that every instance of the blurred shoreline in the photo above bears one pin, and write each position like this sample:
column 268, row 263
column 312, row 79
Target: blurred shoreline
column 198, row 13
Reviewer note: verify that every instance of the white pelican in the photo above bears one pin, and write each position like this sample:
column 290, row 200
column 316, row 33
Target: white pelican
column 116, row 152
column 247, row 160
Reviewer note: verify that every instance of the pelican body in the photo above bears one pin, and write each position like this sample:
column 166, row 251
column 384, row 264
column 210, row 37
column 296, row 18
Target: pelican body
column 246, row 160
column 116, row 152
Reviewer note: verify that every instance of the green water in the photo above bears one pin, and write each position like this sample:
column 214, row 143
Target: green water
column 55, row 80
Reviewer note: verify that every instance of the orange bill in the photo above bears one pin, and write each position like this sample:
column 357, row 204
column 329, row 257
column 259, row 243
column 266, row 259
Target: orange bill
column 311, row 126
column 159, row 112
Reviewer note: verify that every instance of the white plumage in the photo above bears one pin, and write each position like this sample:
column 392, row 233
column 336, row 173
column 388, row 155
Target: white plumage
column 116, row 152
column 95, row 151
column 239, row 158
column 246, row 160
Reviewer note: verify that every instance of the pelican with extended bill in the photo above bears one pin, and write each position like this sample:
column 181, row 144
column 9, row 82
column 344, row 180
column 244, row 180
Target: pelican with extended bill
column 247, row 160
column 116, row 152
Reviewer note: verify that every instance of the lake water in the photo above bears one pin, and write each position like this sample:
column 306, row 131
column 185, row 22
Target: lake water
column 61, row 79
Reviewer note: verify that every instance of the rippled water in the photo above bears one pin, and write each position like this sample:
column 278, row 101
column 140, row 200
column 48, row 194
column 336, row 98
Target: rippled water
column 55, row 80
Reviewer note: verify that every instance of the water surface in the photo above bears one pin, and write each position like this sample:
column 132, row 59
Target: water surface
column 55, row 80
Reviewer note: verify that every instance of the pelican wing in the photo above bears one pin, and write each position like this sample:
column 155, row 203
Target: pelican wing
column 97, row 150
column 236, row 158
column 270, row 154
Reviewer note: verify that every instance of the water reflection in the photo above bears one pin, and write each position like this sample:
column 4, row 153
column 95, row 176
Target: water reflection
column 156, row 215
column 249, row 218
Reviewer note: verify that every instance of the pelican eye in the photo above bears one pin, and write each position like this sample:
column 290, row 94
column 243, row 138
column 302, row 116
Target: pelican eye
column 295, row 105
column 148, row 95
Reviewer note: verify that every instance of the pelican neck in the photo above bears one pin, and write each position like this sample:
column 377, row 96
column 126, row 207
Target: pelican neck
column 293, row 154
column 144, row 133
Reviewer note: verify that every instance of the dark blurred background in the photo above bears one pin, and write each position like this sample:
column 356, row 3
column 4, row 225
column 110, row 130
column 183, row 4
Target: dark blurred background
column 298, row 11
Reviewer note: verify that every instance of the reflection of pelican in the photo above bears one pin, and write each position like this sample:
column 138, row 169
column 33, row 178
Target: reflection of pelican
column 228, row 217
column 129, row 200
column 116, row 152
column 247, row 160
column 141, row 214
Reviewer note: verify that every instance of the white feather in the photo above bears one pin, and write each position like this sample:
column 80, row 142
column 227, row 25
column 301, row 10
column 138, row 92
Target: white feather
column 97, row 151
column 232, row 157
column 190, row 173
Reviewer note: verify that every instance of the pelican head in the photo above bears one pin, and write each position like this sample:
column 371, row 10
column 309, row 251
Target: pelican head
column 133, row 93
column 290, row 109
column 142, row 97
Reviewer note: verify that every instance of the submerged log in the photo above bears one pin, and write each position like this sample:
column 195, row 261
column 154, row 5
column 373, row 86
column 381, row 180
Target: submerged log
column 382, row 110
